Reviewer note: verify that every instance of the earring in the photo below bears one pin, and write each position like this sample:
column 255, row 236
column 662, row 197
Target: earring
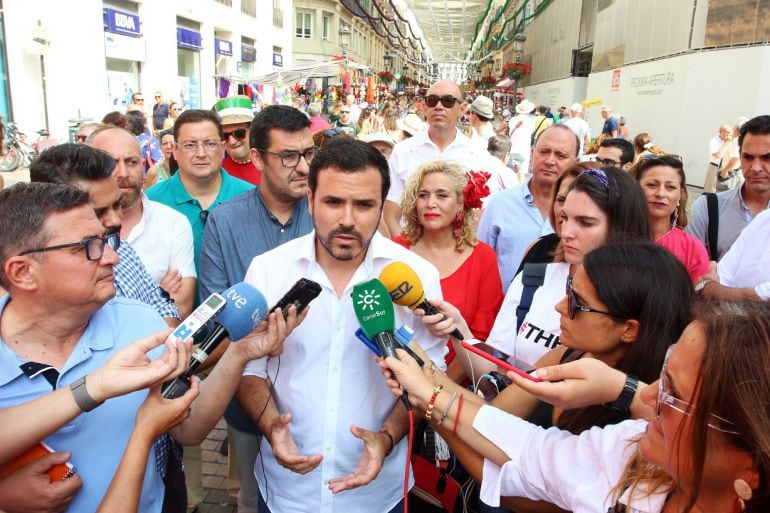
column 744, row 492
column 457, row 224
column 676, row 216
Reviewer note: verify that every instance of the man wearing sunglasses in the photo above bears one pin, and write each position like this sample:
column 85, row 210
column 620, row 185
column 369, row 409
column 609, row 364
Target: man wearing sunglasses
column 441, row 141
column 236, row 116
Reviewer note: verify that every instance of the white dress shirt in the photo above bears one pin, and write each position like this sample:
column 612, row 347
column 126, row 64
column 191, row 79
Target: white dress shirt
column 575, row 472
column 747, row 263
column 163, row 239
column 329, row 380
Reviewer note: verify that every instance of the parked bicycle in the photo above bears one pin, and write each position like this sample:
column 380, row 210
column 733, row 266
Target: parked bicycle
column 17, row 152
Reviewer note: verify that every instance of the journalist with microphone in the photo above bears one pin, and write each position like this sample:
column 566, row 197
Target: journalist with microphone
column 333, row 434
column 60, row 321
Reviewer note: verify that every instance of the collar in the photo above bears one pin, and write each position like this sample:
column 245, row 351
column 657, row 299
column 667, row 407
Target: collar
column 739, row 192
column 644, row 500
column 378, row 249
column 460, row 140
column 180, row 194
column 526, row 192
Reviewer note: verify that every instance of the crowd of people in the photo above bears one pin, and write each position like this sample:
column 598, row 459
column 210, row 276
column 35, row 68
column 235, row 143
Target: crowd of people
column 646, row 318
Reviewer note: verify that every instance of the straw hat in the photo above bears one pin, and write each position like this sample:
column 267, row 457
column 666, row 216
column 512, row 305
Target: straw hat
column 411, row 124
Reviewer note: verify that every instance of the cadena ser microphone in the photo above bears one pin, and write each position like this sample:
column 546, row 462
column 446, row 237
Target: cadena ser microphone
column 245, row 308
column 377, row 317
column 406, row 289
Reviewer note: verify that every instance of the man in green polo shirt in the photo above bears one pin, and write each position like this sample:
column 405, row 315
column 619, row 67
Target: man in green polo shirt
column 200, row 184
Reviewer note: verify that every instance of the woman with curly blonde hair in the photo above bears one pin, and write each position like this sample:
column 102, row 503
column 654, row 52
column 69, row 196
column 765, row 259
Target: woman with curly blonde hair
column 438, row 206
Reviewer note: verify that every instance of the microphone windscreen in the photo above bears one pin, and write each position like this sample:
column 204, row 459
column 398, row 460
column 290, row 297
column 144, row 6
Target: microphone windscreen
column 373, row 308
column 403, row 284
column 245, row 308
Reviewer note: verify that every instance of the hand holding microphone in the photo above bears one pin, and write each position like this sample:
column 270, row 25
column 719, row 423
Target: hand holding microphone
column 406, row 289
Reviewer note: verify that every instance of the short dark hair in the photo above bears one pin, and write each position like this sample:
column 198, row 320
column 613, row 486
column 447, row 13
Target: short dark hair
column 68, row 163
column 23, row 211
column 350, row 156
column 627, row 149
column 197, row 116
column 542, row 109
column 282, row 117
column 758, row 125
column 116, row 118
column 137, row 122
column 621, row 199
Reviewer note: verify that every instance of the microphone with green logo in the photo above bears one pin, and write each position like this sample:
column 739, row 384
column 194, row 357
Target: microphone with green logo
column 377, row 317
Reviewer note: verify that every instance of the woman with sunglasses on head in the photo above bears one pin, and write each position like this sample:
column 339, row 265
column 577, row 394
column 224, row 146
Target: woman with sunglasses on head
column 705, row 447
column 437, row 207
column 665, row 187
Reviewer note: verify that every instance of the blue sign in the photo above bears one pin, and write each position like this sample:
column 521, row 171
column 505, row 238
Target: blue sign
column 248, row 53
column 119, row 22
column 188, row 39
column 277, row 59
column 223, row 47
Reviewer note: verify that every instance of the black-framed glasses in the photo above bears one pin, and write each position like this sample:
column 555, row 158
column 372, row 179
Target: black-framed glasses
column 94, row 246
column 291, row 158
column 238, row 133
column 607, row 162
column 683, row 407
column 447, row 101
column 573, row 306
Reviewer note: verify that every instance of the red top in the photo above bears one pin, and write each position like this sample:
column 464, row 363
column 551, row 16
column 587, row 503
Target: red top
column 245, row 172
column 474, row 288
column 688, row 249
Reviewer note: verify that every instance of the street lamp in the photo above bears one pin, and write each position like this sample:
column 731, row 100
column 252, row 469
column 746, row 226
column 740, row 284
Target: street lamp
column 344, row 38
column 518, row 46
column 387, row 59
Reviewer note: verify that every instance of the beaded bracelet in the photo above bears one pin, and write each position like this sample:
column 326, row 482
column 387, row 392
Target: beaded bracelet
column 459, row 410
column 448, row 406
column 431, row 403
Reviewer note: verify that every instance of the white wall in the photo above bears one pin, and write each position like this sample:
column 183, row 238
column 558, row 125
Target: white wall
column 681, row 101
column 557, row 93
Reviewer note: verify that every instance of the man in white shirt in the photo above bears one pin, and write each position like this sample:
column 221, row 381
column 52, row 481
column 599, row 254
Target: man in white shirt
column 579, row 126
column 160, row 235
column 719, row 145
column 330, row 423
column 442, row 141
column 520, row 129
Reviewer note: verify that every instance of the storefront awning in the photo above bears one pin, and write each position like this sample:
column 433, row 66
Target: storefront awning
column 188, row 39
column 505, row 83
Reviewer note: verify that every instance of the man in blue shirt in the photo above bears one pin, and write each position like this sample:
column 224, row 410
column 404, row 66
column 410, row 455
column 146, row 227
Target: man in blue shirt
column 610, row 128
column 248, row 225
column 516, row 217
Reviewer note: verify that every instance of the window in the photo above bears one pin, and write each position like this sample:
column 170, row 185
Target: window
column 326, row 27
column 304, row 24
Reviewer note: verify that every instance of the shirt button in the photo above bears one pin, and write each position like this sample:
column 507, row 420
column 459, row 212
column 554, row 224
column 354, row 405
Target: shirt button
column 334, row 369
column 328, row 448
column 282, row 230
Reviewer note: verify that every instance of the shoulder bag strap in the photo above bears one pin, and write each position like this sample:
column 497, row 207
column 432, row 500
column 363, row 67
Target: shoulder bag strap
column 533, row 277
column 712, row 206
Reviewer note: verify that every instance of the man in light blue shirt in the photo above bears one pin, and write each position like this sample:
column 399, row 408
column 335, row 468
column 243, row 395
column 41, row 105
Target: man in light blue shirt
column 516, row 217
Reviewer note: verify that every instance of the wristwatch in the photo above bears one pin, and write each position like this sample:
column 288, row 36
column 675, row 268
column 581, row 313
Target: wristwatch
column 83, row 399
column 702, row 284
column 623, row 402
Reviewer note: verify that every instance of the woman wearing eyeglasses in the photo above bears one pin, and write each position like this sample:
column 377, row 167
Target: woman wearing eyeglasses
column 665, row 187
column 704, row 449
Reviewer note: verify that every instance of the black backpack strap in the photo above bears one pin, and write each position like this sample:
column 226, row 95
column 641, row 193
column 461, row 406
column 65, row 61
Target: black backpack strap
column 712, row 206
column 532, row 278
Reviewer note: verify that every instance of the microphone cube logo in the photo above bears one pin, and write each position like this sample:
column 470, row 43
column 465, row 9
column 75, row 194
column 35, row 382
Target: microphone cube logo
column 369, row 300
column 400, row 291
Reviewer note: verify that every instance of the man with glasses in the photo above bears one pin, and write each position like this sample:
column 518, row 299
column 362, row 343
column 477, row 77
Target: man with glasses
column 92, row 171
column 137, row 103
column 441, row 141
column 160, row 235
column 346, row 123
column 236, row 116
column 200, row 184
column 616, row 152
column 248, row 225
column 61, row 321
column 159, row 112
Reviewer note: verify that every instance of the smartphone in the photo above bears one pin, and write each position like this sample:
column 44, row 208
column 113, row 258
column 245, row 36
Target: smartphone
column 300, row 295
column 521, row 368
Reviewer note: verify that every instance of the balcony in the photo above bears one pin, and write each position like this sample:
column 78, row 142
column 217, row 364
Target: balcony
column 277, row 18
column 249, row 8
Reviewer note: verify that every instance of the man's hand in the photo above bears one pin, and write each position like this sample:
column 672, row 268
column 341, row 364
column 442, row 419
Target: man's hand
column 376, row 446
column 268, row 337
column 285, row 449
column 130, row 369
column 157, row 415
column 30, row 489
column 171, row 281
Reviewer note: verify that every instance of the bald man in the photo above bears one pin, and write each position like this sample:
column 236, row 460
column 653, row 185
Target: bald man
column 442, row 141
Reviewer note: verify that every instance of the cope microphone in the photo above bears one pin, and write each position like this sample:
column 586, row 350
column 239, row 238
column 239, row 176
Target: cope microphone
column 245, row 308
column 377, row 317
column 406, row 289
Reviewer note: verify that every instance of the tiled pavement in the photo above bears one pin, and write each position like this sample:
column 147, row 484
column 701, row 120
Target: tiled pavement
column 214, row 470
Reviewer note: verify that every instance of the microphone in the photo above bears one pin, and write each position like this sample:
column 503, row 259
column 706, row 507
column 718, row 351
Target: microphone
column 245, row 308
column 406, row 289
column 377, row 317
column 193, row 324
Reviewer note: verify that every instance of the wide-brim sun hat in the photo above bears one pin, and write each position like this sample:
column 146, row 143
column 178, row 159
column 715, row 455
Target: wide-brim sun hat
column 525, row 107
column 411, row 124
column 378, row 137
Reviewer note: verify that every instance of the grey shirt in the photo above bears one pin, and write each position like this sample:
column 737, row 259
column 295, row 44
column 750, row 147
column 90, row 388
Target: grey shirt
column 734, row 216
column 236, row 232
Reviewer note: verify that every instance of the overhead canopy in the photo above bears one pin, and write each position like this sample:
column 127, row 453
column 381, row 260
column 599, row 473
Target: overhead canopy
column 505, row 83
column 302, row 73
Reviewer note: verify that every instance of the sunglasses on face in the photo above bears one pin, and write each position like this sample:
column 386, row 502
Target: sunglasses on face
column 239, row 134
column 447, row 101
column 344, row 112
column 573, row 306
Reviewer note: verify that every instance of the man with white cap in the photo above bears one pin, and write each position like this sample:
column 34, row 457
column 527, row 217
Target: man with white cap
column 481, row 114
column 410, row 125
column 520, row 129
column 442, row 141
column 236, row 115
column 579, row 126
column 383, row 142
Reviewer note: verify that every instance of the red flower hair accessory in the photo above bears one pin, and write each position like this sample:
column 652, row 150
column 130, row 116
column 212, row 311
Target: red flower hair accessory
column 476, row 189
